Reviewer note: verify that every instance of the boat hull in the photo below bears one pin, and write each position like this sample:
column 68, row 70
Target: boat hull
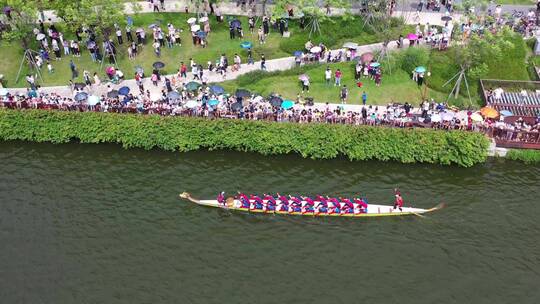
column 372, row 210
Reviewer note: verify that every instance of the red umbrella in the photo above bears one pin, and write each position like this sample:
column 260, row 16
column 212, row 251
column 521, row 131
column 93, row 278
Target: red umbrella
column 367, row 57
column 412, row 36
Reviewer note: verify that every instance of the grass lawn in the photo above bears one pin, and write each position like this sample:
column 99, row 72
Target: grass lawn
column 218, row 42
column 520, row 2
column 397, row 87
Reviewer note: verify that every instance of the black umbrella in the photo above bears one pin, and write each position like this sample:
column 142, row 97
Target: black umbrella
column 242, row 93
column 112, row 94
column 173, row 95
column 79, row 85
column 446, row 18
column 236, row 23
column 236, row 106
column 275, row 101
column 81, row 96
column 158, row 65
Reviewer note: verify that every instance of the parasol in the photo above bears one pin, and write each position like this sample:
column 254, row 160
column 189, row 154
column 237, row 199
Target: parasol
column 297, row 53
column 303, row 77
column 375, row 65
column 79, row 85
column 315, row 49
column 195, row 27
column 236, row 23
column 436, row 118
column 412, row 36
column 203, row 19
column 123, row 91
column 213, row 102
column 40, row 36
column 245, row 45
column 420, row 69
column 477, row 117
column 192, row 86
column 506, row 113
column 3, row 92
column 489, row 112
column 200, row 34
column 192, row 20
column 236, row 106
column 112, row 94
column 242, row 93
column 191, row 104
column 350, row 45
column 287, row 104
column 276, row 101
column 93, row 100
column 81, row 96
column 217, row 90
column 367, row 57
column 447, row 116
column 173, row 95
column 158, row 65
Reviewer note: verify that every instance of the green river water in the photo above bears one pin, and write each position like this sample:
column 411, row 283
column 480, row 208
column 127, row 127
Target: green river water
column 100, row 224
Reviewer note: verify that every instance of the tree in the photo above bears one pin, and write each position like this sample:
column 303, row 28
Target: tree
column 99, row 14
column 22, row 21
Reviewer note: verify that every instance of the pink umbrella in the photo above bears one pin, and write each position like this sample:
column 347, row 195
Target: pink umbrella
column 412, row 36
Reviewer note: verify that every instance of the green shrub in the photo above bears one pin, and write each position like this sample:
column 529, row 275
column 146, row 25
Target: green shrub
column 527, row 156
column 414, row 57
column 317, row 141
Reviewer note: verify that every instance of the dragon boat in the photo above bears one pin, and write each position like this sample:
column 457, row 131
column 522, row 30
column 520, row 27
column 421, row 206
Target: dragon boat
column 372, row 210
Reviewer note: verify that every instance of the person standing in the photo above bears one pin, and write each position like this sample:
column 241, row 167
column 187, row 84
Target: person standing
column 263, row 62
column 344, row 94
column 119, row 35
column 97, row 81
column 337, row 76
column 399, row 200
column 129, row 35
column 250, row 57
column 328, row 75
column 86, row 76
column 266, row 25
column 73, row 69
column 364, row 98
column 155, row 4
column 305, row 85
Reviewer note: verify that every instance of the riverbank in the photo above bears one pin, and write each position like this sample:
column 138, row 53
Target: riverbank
column 316, row 141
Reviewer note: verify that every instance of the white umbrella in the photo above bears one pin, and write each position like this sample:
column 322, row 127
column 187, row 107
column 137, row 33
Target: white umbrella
column 350, row 45
column 195, row 27
column 462, row 115
column 315, row 49
column 447, row 116
column 257, row 98
column 203, row 19
column 40, row 36
column 93, row 100
column 436, row 118
column 477, row 117
column 191, row 20
column 191, row 104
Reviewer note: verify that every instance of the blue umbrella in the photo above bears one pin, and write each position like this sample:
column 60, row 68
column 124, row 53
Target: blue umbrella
column 218, row 90
column 123, row 91
column 245, row 45
column 213, row 102
column 201, row 34
column 375, row 65
column 173, row 95
column 297, row 53
column 81, row 96
column 506, row 113
column 287, row 104
column 236, row 23
column 420, row 69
